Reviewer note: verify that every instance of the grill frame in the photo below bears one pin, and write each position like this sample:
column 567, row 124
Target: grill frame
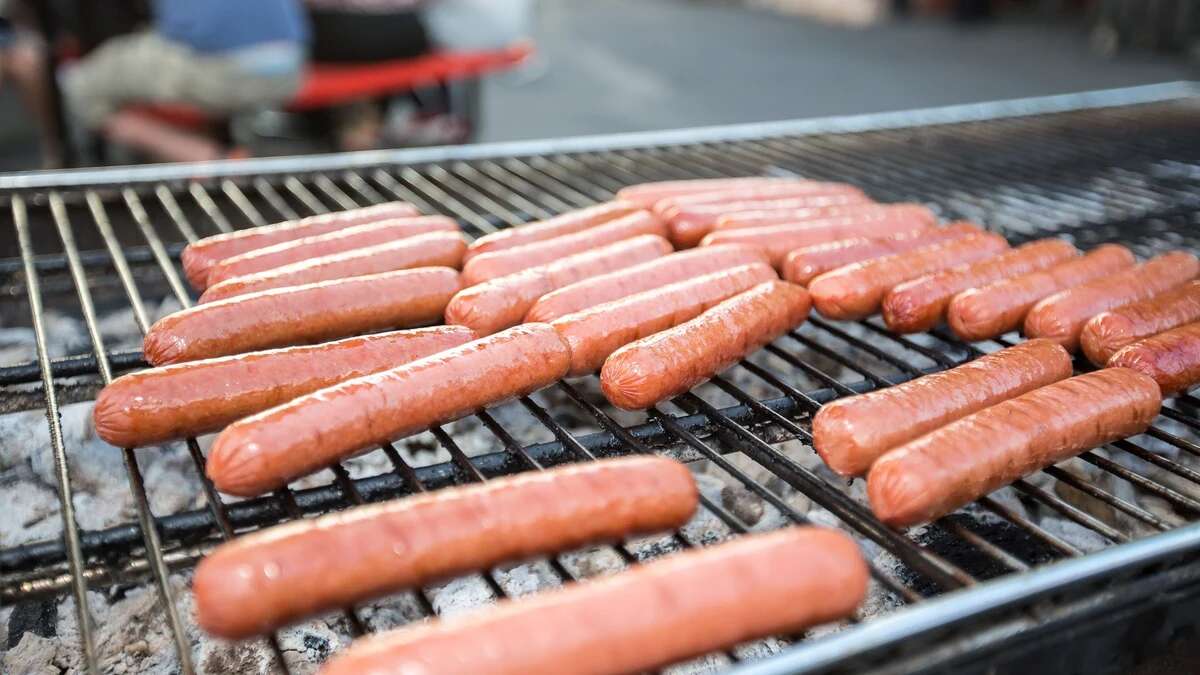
column 730, row 430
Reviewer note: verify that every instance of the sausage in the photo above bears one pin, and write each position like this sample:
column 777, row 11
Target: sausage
column 1061, row 316
column 1171, row 358
column 250, row 585
column 773, row 215
column 639, row 620
column 851, row 433
column 199, row 256
column 756, row 193
column 265, row 451
column 803, row 265
column 487, row 266
column 995, row 309
column 435, row 249
column 558, row 226
column 690, row 222
column 669, row 363
column 646, row 276
column 918, row 305
column 189, row 399
column 779, row 240
column 345, row 239
column 301, row 314
column 647, row 195
column 856, row 291
column 504, row 301
column 935, row 474
column 1106, row 333
column 595, row 333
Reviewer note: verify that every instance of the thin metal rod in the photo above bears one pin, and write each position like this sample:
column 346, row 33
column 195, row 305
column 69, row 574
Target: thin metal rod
column 61, row 471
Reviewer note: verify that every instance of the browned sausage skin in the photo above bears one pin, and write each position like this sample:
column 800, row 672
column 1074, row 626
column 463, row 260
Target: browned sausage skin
column 199, row 397
column 856, row 291
column 768, row 213
column 267, row 450
column 268, row 579
column 647, row 195
column 1171, row 358
column 969, row 458
column 493, row 264
column 1106, row 333
column 502, row 302
column 779, row 240
column 301, row 314
column 691, row 217
column 655, row 614
column 435, row 249
column 598, row 331
column 558, row 226
column 666, row 364
column 850, row 434
column 199, row 256
column 1061, row 316
column 983, row 313
column 803, row 265
column 340, row 241
column 918, row 305
column 647, row 276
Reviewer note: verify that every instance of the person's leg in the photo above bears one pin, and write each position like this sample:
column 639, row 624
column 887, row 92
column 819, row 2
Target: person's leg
column 145, row 68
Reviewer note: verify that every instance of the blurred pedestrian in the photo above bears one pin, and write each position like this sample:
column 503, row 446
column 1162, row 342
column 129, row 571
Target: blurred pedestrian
column 220, row 56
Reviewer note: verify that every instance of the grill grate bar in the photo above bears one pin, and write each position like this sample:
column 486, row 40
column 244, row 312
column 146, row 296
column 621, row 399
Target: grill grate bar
column 206, row 203
column 150, row 534
column 240, row 200
column 61, row 468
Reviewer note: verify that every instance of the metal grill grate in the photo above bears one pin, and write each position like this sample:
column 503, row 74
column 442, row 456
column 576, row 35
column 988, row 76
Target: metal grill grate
column 1123, row 166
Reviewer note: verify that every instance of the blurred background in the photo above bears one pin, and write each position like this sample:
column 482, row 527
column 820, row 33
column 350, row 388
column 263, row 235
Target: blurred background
column 87, row 82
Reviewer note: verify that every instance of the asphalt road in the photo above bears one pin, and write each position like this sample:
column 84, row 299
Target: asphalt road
column 627, row 65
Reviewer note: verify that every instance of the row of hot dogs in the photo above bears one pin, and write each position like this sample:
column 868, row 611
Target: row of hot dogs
column 600, row 288
column 651, row 615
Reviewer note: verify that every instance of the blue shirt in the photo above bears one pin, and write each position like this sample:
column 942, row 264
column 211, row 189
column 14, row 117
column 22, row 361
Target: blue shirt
column 215, row 26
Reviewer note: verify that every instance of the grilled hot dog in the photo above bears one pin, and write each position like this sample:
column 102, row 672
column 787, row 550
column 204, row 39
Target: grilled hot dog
column 595, row 333
column 918, row 305
column 856, row 291
column 775, row 215
column 646, row 276
column 805, row 264
column 190, row 399
column 692, row 216
column 301, row 314
column 647, row 195
column 250, row 585
column 1106, row 333
column 435, row 249
column 265, row 451
column 666, row 364
column 639, row 620
column 495, row 264
column 504, row 301
column 199, row 256
column 340, row 241
column 779, row 240
column 1171, row 358
column 982, row 313
column 558, row 226
column 1061, row 316
column 964, row 460
column 850, row 434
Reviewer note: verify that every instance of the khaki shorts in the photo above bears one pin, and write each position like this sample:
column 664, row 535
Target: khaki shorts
column 145, row 68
